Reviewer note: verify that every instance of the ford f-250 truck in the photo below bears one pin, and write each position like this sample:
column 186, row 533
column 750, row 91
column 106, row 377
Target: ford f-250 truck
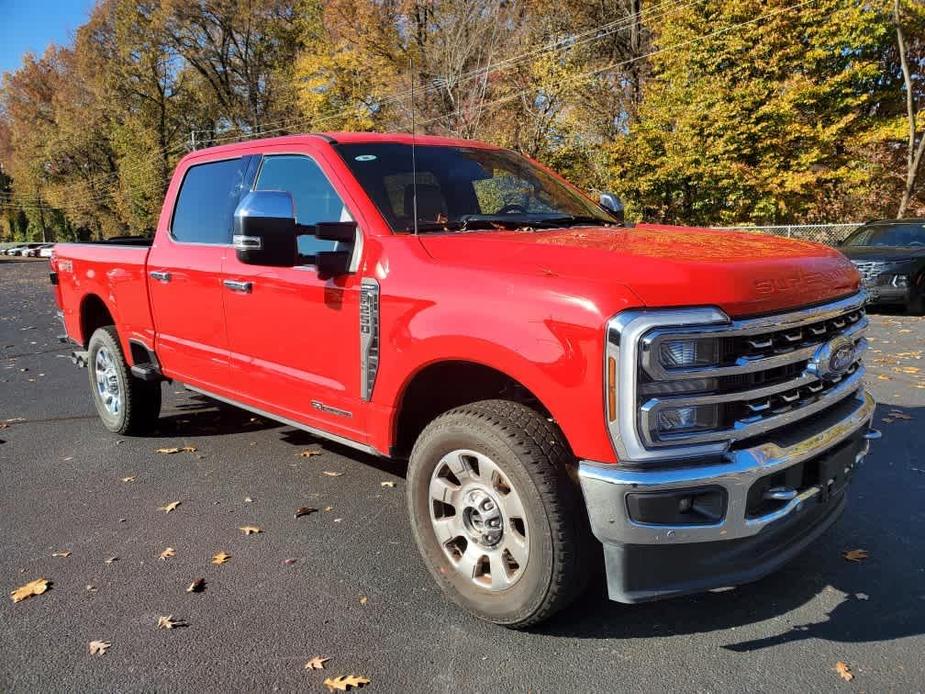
column 691, row 398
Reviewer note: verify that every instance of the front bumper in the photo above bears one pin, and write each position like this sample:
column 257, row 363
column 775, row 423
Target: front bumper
column 750, row 537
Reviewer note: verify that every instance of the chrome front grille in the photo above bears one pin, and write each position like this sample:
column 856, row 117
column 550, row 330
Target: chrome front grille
column 868, row 269
column 763, row 380
column 668, row 400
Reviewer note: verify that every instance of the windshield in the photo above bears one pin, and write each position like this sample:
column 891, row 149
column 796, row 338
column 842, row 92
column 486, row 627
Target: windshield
column 461, row 188
column 899, row 234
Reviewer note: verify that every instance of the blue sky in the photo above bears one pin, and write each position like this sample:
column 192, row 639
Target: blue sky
column 30, row 25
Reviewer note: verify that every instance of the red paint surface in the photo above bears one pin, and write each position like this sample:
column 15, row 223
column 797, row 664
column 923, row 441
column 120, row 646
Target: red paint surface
column 530, row 304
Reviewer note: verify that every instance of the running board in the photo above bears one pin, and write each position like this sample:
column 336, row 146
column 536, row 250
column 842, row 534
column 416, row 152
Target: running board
column 298, row 425
column 147, row 372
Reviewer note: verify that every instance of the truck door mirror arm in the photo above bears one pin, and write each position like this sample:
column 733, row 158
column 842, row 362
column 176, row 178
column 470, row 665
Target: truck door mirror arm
column 266, row 233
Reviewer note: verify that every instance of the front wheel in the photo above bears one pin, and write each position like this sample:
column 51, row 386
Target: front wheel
column 496, row 517
column 126, row 405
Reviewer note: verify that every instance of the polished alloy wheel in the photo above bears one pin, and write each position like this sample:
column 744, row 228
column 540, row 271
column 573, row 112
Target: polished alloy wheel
column 479, row 520
column 107, row 381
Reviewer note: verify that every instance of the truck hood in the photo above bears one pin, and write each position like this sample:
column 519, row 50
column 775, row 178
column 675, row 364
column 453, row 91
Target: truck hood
column 740, row 272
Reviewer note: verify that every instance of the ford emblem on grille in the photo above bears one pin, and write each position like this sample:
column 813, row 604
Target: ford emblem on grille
column 832, row 359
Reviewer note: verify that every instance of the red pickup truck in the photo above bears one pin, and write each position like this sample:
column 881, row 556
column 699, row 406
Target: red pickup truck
column 691, row 398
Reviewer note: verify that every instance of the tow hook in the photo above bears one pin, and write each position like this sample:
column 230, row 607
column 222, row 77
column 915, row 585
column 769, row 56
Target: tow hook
column 80, row 359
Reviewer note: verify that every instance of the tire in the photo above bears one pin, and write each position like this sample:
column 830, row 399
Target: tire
column 495, row 449
column 126, row 405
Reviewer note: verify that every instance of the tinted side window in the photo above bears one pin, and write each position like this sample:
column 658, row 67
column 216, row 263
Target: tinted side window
column 314, row 197
column 207, row 201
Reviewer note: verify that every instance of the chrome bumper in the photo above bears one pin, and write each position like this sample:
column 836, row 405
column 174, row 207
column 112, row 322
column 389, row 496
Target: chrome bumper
column 605, row 486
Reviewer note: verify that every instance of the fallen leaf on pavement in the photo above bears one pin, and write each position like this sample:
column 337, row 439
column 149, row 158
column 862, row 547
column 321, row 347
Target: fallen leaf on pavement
column 112, row 559
column 177, row 449
column 900, row 415
column 316, row 663
column 250, row 529
column 99, row 647
column 387, row 484
column 248, row 500
column 128, row 479
column 36, row 587
column 91, row 589
column 167, row 553
column 862, row 596
column 220, row 558
column 364, row 600
column 63, row 553
column 344, row 682
column 332, row 474
column 169, row 507
column 844, row 671
column 169, row 622
column 304, row 511
column 199, row 584
column 310, row 453
column 855, row 555
column 328, row 508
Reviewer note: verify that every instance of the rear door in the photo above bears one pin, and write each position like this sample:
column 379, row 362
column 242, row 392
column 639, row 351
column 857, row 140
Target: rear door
column 185, row 274
column 294, row 337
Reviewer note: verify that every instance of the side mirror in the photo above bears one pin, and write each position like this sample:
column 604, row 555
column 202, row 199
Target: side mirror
column 335, row 263
column 612, row 204
column 265, row 229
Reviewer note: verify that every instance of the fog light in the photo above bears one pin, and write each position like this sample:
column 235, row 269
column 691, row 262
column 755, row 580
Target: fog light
column 900, row 281
column 674, row 354
column 672, row 420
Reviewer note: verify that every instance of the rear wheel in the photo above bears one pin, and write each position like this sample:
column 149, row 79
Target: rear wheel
column 126, row 404
column 495, row 515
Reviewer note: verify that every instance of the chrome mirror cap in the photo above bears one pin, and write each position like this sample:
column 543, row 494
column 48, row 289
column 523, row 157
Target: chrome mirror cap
column 612, row 204
column 270, row 204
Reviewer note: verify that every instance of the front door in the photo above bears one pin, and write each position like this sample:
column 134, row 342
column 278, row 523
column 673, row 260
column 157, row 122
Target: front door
column 185, row 275
column 294, row 338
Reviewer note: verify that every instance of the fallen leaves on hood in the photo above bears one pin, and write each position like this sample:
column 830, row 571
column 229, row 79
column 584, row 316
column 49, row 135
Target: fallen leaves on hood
column 167, row 553
column 316, row 663
column 177, row 449
column 344, row 682
column 99, row 647
column 310, row 453
column 250, row 529
column 844, row 671
column 199, row 584
column 129, row 479
column 387, row 484
column 220, row 558
column 169, row 507
column 36, row 587
column 332, row 474
column 169, row 622
column 62, row 553
column 855, row 555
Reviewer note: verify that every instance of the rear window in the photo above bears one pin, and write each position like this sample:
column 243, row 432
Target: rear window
column 207, row 200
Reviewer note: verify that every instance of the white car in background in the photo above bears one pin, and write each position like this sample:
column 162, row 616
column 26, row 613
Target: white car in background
column 45, row 250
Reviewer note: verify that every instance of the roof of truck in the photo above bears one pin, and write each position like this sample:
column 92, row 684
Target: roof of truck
column 342, row 137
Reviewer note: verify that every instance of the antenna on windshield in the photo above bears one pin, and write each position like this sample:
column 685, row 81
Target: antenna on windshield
column 414, row 163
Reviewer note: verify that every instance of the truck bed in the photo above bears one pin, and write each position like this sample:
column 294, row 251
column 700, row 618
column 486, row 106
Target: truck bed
column 111, row 273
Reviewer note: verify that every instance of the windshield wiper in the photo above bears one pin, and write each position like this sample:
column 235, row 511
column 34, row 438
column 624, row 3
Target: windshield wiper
column 576, row 219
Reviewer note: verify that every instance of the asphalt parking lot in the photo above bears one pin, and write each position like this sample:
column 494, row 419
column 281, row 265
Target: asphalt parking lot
column 346, row 582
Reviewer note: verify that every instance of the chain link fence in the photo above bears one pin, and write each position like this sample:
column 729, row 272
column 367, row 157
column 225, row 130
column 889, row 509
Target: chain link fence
column 830, row 234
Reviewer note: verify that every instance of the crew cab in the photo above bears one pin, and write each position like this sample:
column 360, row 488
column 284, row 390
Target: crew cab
column 686, row 403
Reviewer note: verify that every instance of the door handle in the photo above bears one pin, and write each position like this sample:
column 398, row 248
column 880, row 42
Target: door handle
column 160, row 276
column 235, row 286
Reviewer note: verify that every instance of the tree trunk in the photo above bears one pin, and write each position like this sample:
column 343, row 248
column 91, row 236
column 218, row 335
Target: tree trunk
column 913, row 153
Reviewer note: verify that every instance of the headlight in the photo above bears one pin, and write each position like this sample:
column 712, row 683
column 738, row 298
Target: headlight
column 900, row 281
column 683, row 420
column 677, row 354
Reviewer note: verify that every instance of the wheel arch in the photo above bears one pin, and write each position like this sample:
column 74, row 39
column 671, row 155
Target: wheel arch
column 443, row 385
column 94, row 314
